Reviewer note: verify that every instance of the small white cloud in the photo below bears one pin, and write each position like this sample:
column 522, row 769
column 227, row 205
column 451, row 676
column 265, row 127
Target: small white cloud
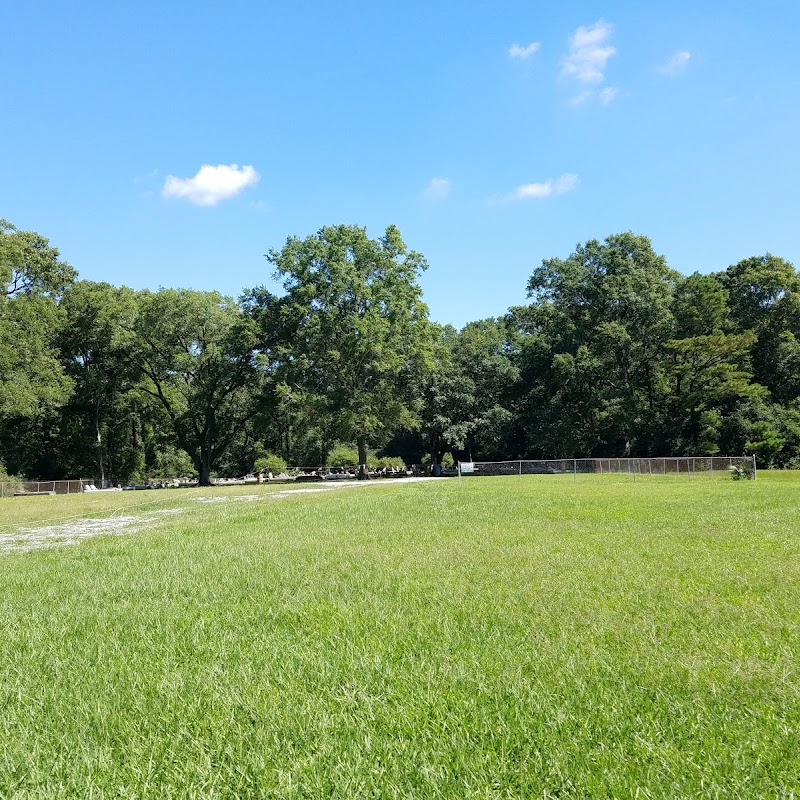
column 589, row 53
column 522, row 52
column 566, row 183
column 608, row 95
column 561, row 185
column 537, row 190
column 211, row 184
column 437, row 189
column 580, row 98
column 677, row 64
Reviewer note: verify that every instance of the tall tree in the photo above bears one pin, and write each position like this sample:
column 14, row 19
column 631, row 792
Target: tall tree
column 465, row 392
column 197, row 355
column 359, row 330
column 96, row 345
column 600, row 319
column 764, row 298
column 32, row 277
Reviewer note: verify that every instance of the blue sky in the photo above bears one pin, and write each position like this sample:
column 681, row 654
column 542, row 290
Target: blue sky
column 493, row 134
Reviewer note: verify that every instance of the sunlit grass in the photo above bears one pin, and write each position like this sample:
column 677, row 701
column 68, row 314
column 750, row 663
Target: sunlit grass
column 501, row 637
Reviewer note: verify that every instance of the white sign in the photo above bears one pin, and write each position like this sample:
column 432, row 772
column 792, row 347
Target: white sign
column 467, row 466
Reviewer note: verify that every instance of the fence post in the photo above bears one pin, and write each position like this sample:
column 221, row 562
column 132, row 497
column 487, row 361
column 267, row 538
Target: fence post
column 754, row 466
column 520, row 468
column 574, row 470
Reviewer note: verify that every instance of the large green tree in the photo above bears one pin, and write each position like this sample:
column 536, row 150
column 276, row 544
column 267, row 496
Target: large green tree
column 357, row 336
column 466, row 389
column 32, row 278
column 198, row 360
column 764, row 298
column 599, row 320
column 96, row 346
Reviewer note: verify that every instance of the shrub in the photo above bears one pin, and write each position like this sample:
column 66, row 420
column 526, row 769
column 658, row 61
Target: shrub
column 170, row 462
column 742, row 471
column 342, row 456
column 270, row 463
column 389, row 462
column 5, row 477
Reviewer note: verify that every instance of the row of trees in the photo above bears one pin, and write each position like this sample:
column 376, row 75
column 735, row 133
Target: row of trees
column 614, row 354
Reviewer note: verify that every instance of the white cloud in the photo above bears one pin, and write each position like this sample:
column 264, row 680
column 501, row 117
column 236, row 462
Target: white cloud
column 566, row 183
column 437, row 189
column 580, row 98
column 605, row 96
column 677, row 64
column 608, row 95
column 523, row 51
column 528, row 190
column 561, row 185
column 211, row 184
column 589, row 52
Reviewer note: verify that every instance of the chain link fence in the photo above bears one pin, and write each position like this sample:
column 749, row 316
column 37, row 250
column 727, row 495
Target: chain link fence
column 11, row 488
column 689, row 466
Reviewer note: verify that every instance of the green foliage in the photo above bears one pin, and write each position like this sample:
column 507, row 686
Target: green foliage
column 766, row 443
column 742, row 471
column 342, row 456
column 95, row 346
column 389, row 462
column 356, row 328
column 764, row 298
column 446, row 460
column 197, row 354
column 270, row 463
column 700, row 306
column 172, row 462
column 5, row 477
column 592, row 351
column 29, row 265
column 32, row 277
column 466, row 388
column 615, row 354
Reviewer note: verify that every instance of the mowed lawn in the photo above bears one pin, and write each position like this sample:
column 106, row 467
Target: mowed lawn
column 502, row 637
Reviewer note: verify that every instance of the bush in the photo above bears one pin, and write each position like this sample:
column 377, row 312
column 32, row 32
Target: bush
column 170, row 462
column 447, row 460
column 342, row 456
column 389, row 462
column 270, row 463
column 5, row 477
column 742, row 471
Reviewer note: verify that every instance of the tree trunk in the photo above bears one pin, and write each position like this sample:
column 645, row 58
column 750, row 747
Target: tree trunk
column 362, row 458
column 435, row 449
column 204, row 467
column 99, row 447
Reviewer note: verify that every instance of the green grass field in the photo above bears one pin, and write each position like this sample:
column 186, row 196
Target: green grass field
column 497, row 638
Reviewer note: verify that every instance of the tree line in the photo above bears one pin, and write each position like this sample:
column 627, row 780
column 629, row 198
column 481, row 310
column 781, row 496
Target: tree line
column 613, row 354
